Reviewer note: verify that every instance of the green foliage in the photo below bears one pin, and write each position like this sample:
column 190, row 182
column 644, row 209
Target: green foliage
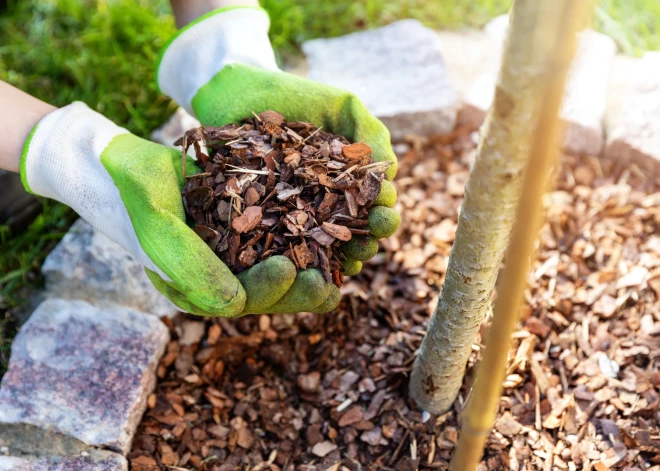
column 101, row 53
column 633, row 24
column 287, row 25
column 7, row 333
column 351, row 16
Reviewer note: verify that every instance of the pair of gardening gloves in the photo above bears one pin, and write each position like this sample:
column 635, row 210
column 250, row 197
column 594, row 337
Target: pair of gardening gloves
column 220, row 68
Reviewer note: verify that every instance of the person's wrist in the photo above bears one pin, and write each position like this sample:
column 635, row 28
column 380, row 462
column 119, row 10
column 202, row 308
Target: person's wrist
column 186, row 11
column 19, row 114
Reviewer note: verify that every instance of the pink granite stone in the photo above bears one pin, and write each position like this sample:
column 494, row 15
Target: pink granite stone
column 83, row 371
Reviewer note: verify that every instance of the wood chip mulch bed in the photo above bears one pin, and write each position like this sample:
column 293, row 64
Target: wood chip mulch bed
column 329, row 392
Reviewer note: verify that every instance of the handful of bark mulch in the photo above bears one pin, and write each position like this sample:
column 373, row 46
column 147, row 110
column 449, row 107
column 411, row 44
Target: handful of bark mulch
column 271, row 187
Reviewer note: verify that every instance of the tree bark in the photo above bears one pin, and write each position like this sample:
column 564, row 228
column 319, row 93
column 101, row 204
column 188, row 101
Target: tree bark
column 489, row 207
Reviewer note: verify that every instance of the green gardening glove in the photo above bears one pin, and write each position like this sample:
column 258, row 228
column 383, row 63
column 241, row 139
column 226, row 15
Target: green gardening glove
column 130, row 190
column 221, row 69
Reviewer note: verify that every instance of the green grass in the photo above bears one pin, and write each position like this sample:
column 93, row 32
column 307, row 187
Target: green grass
column 104, row 52
column 634, row 24
column 7, row 333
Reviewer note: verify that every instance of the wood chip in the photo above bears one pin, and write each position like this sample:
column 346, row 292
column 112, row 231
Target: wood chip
column 351, row 416
column 356, row 151
column 337, row 231
column 323, row 448
column 250, row 219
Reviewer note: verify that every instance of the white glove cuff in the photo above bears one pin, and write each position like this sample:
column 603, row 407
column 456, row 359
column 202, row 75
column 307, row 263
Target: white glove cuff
column 63, row 146
column 202, row 49
column 62, row 161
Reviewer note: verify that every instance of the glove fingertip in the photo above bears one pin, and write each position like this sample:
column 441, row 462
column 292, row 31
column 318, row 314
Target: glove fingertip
column 390, row 173
column 308, row 291
column 330, row 303
column 266, row 283
column 360, row 248
column 383, row 221
column 387, row 195
column 351, row 267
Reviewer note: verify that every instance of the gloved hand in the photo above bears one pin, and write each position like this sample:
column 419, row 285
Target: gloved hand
column 222, row 68
column 130, row 190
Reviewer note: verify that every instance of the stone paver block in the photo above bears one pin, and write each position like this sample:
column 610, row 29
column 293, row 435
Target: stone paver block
column 478, row 98
column 467, row 53
column 497, row 28
column 93, row 460
column 397, row 71
column 87, row 265
column 633, row 129
column 83, row 371
column 479, row 90
column 584, row 104
column 585, row 99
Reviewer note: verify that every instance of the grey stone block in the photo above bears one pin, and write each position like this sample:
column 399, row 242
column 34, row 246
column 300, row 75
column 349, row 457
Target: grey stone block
column 93, row 460
column 467, row 53
column 633, row 120
column 87, row 265
column 583, row 108
column 28, row 448
column 28, row 440
column 83, row 371
column 397, row 71
column 585, row 98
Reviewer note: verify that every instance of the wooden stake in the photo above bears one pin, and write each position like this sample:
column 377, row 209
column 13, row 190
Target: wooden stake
column 557, row 24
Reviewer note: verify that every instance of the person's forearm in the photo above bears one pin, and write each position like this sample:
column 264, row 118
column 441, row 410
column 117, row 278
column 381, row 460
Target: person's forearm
column 19, row 113
column 186, row 11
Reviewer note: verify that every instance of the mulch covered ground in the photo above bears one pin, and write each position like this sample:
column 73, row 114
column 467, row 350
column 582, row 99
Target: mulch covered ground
column 329, row 392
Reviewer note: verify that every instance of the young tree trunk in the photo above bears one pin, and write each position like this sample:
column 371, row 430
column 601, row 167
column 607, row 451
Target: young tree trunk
column 559, row 23
column 491, row 198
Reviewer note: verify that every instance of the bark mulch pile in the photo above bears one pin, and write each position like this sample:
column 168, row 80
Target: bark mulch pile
column 271, row 187
column 329, row 392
